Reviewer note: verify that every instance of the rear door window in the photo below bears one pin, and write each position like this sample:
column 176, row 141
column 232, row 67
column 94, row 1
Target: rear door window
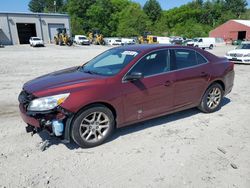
column 182, row 58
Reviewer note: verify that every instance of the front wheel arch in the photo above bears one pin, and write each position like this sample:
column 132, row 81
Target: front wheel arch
column 70, row 120
column 75, row 135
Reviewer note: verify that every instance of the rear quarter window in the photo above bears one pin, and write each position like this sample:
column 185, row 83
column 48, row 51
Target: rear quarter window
column 200, row 58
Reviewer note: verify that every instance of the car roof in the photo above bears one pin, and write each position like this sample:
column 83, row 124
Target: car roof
column 150, row 47
column 145, row 48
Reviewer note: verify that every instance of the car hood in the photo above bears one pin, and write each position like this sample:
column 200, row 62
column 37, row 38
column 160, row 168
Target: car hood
column 59, row 79
column 239, row 51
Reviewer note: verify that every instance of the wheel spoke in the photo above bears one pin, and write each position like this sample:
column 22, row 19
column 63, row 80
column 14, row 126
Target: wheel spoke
column 103, row 126
column 84, row 125
column 99, row 132
column 89, row 135
column 99, row 117
column 95, row 135
column 210, row 104
column 94, row 116
column 85, row 132
column 87, row 120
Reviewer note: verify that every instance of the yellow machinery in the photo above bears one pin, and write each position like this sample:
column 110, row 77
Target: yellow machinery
column 96, row 38
column 62, row 38
column 147, row 38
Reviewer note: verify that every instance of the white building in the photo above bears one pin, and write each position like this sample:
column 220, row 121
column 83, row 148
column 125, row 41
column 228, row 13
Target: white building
column 17, row 28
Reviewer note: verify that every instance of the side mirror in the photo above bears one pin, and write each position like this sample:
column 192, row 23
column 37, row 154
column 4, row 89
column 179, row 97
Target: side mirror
column 134, row 76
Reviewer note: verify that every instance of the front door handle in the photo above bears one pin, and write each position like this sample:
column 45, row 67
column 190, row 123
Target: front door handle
column 204, row 74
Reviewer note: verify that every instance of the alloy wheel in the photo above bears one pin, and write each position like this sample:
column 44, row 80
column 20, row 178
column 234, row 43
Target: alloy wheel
column 94, row 127
column 214, row 98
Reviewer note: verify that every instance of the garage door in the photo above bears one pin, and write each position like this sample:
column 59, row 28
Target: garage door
column 25, row 31
column 52, row 30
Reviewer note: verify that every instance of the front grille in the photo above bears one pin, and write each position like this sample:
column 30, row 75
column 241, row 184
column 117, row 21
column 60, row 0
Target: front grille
column 239, row 60
column 236, row 55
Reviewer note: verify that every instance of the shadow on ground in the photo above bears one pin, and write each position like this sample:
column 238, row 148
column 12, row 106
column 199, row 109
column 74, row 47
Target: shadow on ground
column 132, row 128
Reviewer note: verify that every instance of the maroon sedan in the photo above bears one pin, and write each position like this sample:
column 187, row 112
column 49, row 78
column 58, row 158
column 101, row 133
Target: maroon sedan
column 123, row 86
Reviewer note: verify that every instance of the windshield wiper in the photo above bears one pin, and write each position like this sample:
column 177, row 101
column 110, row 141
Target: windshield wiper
column 89, row 71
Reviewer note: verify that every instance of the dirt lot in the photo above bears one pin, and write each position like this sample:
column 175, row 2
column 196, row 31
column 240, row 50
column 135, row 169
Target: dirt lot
column 179, row 150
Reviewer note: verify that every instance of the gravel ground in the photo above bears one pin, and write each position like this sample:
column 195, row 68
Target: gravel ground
column 185, row 149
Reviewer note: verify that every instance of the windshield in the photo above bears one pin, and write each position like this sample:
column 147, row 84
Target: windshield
column 82, row 38
column 110, row 62
column 244, row 46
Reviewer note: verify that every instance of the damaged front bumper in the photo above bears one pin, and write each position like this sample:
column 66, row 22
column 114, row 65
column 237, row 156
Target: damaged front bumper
column 45, row 120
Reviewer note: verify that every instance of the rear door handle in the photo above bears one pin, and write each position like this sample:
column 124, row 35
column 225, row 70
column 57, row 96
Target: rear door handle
column 168, row 83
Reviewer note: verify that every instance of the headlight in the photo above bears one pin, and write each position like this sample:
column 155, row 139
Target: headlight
column 47, row 103
column 227, row 54
column 247, row 55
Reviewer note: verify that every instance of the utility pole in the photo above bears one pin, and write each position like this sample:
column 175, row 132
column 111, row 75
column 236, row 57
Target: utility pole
column 55, row 6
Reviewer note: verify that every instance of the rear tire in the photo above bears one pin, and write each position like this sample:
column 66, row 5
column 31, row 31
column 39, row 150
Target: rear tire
column 93, row 126
column 211, row 100
column 211, row 47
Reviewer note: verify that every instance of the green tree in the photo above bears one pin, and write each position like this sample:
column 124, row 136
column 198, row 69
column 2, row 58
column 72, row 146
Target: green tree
column 236, row 6
column 36, row 5
column 77, row 9
column 152, row 9
column 99, row 15
column 132, row 21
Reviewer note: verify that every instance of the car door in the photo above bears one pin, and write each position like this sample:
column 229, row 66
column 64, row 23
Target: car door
column 191, row 76
column 152, row 94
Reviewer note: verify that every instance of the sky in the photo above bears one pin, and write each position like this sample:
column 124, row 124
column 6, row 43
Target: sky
column 22, row 5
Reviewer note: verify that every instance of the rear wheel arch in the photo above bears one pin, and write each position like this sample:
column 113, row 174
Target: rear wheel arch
column 218, row 82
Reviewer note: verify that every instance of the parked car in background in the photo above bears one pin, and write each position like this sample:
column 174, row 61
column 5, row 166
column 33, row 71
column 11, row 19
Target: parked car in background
column 113, row 41
column 36, row 41
column 149, row 80
column 205, row 42
column 220, row 42
column 241, row 54
column 81, row 39
column 163, row 40
column 184, row 42
column 176, row 40
column 236, row 42
column 128, row 41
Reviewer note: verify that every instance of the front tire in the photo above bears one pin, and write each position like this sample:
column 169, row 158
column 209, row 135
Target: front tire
column 93, row 126
column 211, row 47
column 211, row 100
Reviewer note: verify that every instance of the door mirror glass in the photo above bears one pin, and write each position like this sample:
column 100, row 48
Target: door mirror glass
column 134, row 76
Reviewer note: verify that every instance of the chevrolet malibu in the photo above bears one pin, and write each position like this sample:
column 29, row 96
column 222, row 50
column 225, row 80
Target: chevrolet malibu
column 122, row 86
